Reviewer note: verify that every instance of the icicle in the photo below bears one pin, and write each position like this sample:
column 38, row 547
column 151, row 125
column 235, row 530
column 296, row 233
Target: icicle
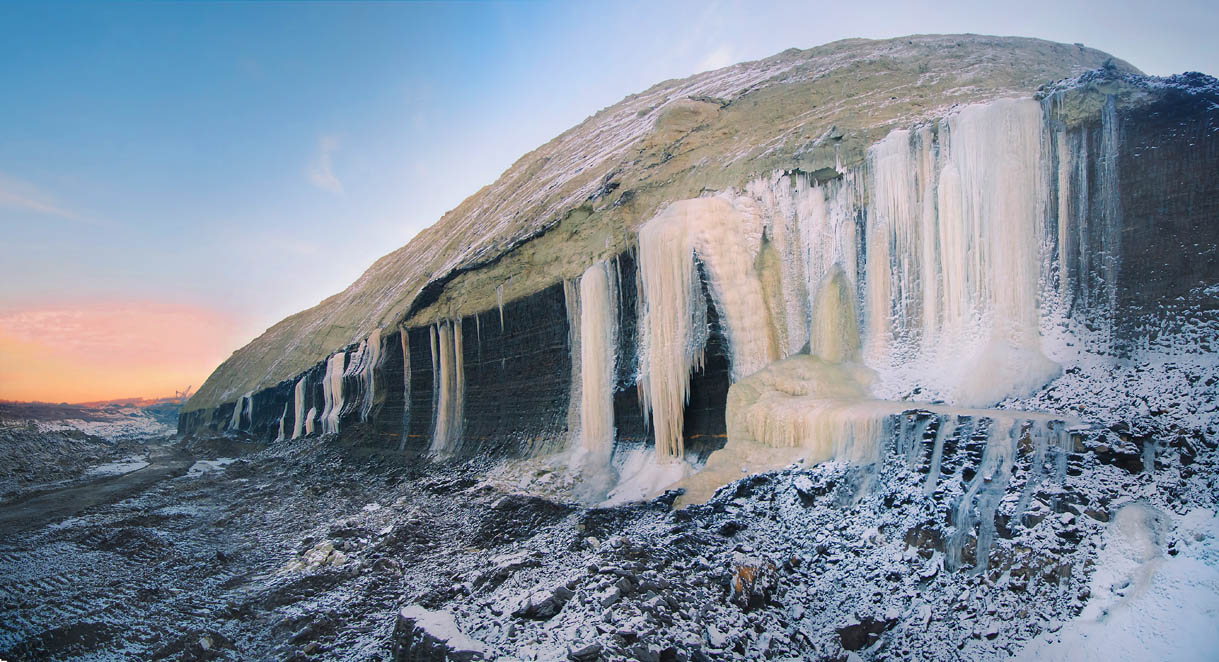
column 444, row 381
column 1005, row 434
column 298, row 411
column 332, row 393
column 598, row 321
column 368, row 373
column 571, row 302
column 1110, row 212
column 727, row 242
column 914, row 447
column 945, row 426
column 499, row 300
column 309, row 421
column 450, row 381
column 951, row 300
column 988, row 486
column 1062, row 445
column 279, row 436
column 457, row 416
column 239, row 409
column 1037, row 434
column 834, row 335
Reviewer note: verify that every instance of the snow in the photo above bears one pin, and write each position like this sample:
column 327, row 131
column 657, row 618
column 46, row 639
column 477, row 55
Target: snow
column 201, row 467
column 119, row 467
column 1146, row 605
column 123, row 424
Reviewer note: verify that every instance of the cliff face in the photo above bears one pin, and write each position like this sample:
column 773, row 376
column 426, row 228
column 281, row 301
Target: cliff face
column 866, row 250
column 581, row 197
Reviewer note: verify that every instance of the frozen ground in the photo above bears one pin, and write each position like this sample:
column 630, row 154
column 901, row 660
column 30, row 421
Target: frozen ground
column 309, row 549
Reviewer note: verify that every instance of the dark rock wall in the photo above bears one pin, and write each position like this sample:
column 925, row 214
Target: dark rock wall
column 1169, row 170
column 419, row 417
column 517, row 376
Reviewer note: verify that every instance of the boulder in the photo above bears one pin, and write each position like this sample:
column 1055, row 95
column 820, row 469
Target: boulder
column 422, row 635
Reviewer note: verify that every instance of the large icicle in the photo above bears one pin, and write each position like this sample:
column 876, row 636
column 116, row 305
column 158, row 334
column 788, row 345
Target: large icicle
column 952, row 287
column 450, row 388
column 239, row 408
column 726, row 241
column 332, row 393
column 598, row 322
column 368, row 372
column 298, row 410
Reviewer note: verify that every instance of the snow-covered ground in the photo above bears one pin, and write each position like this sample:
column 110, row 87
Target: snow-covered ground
column 1155, row 593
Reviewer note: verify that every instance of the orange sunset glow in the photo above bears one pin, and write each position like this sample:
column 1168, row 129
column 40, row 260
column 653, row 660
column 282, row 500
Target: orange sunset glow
column 109, row 350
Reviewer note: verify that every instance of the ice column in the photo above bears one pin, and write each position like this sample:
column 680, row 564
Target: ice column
column 598, row 308
column 332, row 393
column 726, row 242
column 298, row 411
column 953, row 255
column 450, row 387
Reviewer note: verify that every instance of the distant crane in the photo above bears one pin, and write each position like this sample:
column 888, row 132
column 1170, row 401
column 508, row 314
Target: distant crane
column 183, row 395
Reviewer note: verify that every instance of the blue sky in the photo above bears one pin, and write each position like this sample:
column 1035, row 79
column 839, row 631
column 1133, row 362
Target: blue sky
column 252, row 158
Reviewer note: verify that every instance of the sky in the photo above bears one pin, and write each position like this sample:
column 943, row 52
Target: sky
column 177, row 177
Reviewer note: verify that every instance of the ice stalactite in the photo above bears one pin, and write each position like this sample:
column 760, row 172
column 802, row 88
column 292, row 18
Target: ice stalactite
column 235, row 419
column 298, row 409
column 450, row 387
column 598, row 325
column 726, row 240
column 243, row 408
column 1083, row 263
column 812, row 227
column 571, row 303
column 951, row 297
column 332, row 393
column 368, row 372
column 279, row 435
column 310, row 421
column 834, row 335
column 945, row 426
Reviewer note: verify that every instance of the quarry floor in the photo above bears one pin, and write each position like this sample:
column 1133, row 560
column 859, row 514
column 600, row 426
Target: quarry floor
column 307, row 550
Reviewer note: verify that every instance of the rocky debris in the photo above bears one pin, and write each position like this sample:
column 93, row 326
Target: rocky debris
column 805, row 488
column 516, row 516
column 320, row 555
column 753, row 579
column 586, row 653
column 422, row 635
column 504, row 566
column 542, row 605
column 867, row 556
column 864, row 633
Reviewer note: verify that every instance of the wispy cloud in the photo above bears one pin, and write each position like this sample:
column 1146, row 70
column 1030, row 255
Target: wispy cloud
column 25, row 197
column 321, row 171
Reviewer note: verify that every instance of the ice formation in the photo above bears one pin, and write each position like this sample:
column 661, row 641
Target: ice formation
column 947, row 268
column 298, row 410
column 598, row 306
column 243, row 408
column 953, row 258
column 725, row 240
column 332, row 393
column 450, row 386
